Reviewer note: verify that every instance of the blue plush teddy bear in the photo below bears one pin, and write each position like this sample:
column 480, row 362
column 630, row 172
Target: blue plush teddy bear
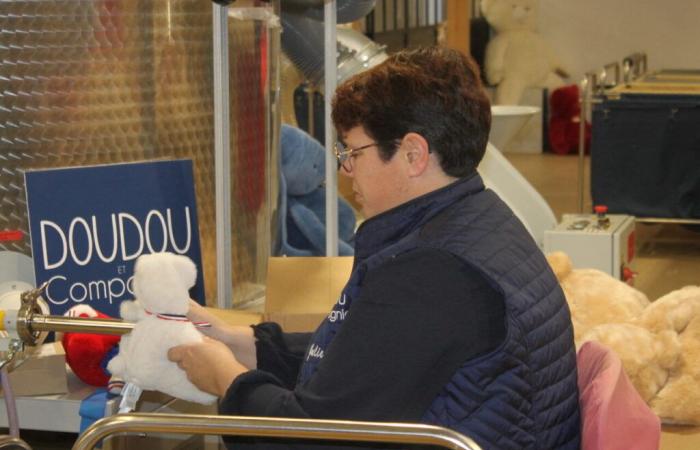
column 303, row 199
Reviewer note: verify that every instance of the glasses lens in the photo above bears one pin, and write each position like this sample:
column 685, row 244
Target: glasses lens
column 342, row 155
column 340, row 151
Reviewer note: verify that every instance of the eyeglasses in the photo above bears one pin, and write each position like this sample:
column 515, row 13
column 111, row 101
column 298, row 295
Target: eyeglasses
column 343, row 153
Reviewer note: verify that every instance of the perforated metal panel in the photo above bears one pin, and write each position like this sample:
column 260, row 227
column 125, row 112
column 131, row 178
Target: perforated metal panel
column 102, row 81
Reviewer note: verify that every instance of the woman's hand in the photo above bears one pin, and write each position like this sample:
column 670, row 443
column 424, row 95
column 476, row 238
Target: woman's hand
column 210, row 365
column 239, row 339
column 199, row 314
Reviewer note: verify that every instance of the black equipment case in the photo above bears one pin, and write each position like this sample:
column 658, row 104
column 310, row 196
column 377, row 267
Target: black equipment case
column 645, row 147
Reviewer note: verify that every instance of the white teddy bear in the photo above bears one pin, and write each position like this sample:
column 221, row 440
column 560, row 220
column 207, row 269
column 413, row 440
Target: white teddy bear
column 161, row 286
column 517, row 57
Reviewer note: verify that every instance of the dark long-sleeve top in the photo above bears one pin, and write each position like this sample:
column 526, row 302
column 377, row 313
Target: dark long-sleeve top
column 418, row 318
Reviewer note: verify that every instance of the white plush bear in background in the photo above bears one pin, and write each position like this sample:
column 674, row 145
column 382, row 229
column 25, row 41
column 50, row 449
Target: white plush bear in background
column 517, row 57
column 161, row 286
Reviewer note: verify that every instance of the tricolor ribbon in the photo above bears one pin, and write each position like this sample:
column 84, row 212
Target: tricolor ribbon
column 179, row 318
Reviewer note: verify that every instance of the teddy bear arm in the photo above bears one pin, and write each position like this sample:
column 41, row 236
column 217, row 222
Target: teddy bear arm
column 131, row 311
column 509, row 91
column 314, row 230
column 117, row 366
column 555, row 63
column 310, row 226
column 495, row 57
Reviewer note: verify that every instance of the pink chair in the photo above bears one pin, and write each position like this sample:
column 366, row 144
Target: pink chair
column 613, row 415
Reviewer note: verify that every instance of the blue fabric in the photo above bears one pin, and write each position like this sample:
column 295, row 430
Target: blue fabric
column 111, row 353
column 302, row 211
column 92, row 408
column 523, row 395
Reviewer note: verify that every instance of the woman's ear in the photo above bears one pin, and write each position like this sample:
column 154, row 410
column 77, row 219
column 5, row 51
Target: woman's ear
column 417, row 153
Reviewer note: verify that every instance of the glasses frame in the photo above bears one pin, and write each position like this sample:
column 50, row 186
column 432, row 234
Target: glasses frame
column 343, row 156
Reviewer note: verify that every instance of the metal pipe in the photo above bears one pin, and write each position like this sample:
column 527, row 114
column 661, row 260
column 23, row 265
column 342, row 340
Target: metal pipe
column 39, row 322
column 30, row 321
column 585, row 89
column 336, row 430
column 222, row 158
column 667, row 220
column 330, row 50
column 604, row 80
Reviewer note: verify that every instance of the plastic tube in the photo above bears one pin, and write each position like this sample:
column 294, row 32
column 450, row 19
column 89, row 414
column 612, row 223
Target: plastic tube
column 12, row 420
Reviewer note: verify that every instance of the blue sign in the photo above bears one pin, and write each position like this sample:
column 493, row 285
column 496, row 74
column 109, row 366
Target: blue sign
column 89, row 224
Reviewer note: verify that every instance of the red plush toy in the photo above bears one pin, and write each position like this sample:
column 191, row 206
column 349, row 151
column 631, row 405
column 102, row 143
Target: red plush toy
column 87, row 354
column 564, row 121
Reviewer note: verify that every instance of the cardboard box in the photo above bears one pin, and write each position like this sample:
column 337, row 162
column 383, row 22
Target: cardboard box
column 302, row 290
column 236, row 317
column 42, row 373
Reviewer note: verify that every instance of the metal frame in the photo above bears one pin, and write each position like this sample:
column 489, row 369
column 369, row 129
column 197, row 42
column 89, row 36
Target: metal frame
column 335, row 430
column 330, row 48
column 222, row 158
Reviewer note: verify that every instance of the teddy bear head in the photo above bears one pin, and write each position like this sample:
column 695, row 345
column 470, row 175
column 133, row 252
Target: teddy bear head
column 508, row 15
column 162, row 282
column 595, row 297
column 303, row 161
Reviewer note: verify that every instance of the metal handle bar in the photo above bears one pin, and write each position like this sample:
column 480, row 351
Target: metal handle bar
column 336, row 430
column 634, row 66
column 604, row 80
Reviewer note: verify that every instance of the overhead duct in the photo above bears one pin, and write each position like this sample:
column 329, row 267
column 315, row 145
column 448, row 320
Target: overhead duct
column 346, row 10
column 303, row 41
column 357, row 52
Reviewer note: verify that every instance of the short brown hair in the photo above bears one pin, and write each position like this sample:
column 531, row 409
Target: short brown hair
column 433, row 91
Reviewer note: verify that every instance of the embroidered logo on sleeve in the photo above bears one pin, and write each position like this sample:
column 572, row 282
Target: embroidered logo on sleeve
column 314, row 352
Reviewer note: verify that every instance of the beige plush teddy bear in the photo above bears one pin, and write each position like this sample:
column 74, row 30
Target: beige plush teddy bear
column 517, row 57
column 589, row 293
column 679, row 400
column 658, row 342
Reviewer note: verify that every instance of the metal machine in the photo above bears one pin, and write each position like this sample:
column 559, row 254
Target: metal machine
column 599, row 241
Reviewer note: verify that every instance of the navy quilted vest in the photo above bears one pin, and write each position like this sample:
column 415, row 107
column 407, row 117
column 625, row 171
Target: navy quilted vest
column 523, row 395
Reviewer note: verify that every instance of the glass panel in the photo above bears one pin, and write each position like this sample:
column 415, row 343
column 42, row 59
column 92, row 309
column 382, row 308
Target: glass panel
column 253, row 71
column 102, row 81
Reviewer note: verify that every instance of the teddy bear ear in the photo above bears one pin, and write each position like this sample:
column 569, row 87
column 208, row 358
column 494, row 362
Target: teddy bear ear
column 186, row 269
column 560, row 263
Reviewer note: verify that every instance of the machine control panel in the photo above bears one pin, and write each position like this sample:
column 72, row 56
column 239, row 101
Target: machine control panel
column 599, row 241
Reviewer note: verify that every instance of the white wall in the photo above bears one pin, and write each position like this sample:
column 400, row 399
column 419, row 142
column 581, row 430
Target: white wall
column 587, row 34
